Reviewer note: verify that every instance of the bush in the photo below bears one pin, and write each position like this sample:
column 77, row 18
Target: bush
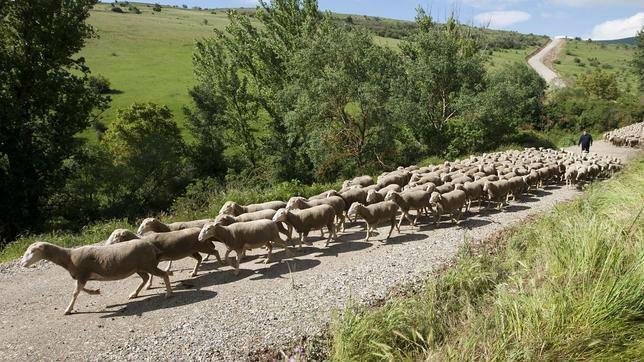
column 156, row 7
column 100, row 84
column 117, row 10
column 577, row 60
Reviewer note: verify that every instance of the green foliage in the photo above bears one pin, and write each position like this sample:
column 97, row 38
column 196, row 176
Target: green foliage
column 638, row 58
column 566, row 285
column 442, row 64
column 600, row 84
column 45, row 101
column 146, row 148
column 100, row 84
column 156, row 8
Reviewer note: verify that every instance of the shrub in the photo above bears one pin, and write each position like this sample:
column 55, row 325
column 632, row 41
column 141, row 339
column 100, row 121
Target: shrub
column 117, row 9
column 156, row 7
column 577, row 60
column 100, row 83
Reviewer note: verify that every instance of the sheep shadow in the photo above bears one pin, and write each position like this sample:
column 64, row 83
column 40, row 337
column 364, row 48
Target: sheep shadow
column 515, row 208
column 278, row 270
column 401, row 238
column 157, row 302
column 343, row 246
column 472, row 223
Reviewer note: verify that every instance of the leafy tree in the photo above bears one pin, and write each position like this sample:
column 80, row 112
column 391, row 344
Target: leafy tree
column 45, row 101
column 344, row 83
column 146, row 148
column 258, row 58
column 156, row 7
column 442, row 63
column 638, row 58
column 600, row 84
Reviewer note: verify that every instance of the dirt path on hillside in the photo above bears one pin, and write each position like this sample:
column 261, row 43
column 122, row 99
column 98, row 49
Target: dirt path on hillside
column 541, row 62
column 220, row 316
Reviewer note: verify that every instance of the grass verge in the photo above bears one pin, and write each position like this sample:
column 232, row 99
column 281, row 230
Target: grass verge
column 568, row 285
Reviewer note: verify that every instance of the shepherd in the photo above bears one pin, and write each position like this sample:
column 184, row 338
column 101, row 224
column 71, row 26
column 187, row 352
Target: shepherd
column 586, row 140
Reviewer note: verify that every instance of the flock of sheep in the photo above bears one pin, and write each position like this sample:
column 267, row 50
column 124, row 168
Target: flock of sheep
column 629, row 136
column 405, row 194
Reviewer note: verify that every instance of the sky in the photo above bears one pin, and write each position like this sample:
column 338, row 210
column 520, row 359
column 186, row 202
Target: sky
column 596, row 19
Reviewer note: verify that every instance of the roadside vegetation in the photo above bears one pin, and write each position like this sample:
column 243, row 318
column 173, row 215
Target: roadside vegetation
column 569, row 283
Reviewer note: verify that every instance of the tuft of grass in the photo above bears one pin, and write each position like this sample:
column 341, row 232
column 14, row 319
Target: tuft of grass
column 568, row 285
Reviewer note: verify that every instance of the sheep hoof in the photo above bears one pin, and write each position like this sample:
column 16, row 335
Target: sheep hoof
column 236, row 272
column 193, row 274
column 170, row 273
column 67, row 312
column 168, row 295
column 95, row 292
column 133, row 296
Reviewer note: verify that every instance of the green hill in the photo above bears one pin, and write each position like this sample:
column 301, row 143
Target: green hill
column 148, row 56
column 579, row 57
column 628, row 41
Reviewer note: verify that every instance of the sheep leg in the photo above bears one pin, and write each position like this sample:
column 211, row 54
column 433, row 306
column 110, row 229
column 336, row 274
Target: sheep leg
column 393, row 224
column 330, row 227
column 368, row 232
column 238, row 252
column 145, row 277
column 270, row 252
column 393, row 220
column 197, row 256
column 79, row 286
column 322, row 232
column 149, row 285
column 167, row 269
column 305, row 235
column 166, row 279
column 227, row 257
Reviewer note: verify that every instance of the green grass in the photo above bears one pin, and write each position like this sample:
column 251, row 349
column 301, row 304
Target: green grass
column 504, row 57
column 202, row 200
column 568, row 285
column 611, row 57
column 148, row 57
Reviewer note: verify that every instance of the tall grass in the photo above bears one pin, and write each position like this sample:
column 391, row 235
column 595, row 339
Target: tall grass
column 569, row 285
column 202, row 200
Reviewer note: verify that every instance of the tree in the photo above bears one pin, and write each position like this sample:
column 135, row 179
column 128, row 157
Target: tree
column 156, row 7
column 343, row 83
column 45, row 101
column 638, row 58
column 146, row 149
column 600, row 84
column 442, row 63
column 257, row 57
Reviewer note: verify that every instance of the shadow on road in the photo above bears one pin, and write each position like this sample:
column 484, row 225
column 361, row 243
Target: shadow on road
column 146, row 304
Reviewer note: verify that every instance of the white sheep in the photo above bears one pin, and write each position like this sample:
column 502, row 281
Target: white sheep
column 306, row 220
column 234, row 209
column 337, row 202
column 448, row 203
column 243, row 236
column 376, row 213
column 110, row 262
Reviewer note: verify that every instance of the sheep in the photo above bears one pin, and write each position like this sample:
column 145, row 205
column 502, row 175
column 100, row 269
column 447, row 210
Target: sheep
column 152, row 224
column 120, row 235
column 375, row 214
column 374, row 197
column 234, row 209
column 337, row 202
column 570, row 176
column 451, row 203
column 110, row 262
column 496, row 191
column 399, row 178
column 314, row 218
column 226, row 219
column 243, row 236
column 517, row 186
column 445, row 188
column 473, row 192
column 176, row 245
column 362, row 181
column 351, row 196
column 418, row 200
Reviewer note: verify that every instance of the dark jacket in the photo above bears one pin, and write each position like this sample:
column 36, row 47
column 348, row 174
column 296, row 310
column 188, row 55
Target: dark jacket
column 585, row 140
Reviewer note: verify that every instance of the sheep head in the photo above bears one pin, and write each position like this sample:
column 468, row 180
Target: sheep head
column 208, row 231
column 119, row 236
column 35, row 252
column 225, row 219
column 353, row 210
column 295, row 202
column 281, row 215
column 371, row 196
column 390, row 195
column 435, row 197
column 147, row 225
column 228, row 208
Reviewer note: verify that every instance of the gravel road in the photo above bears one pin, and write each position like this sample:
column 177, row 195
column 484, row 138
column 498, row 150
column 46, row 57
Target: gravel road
column 217, row 315
column 542, row 62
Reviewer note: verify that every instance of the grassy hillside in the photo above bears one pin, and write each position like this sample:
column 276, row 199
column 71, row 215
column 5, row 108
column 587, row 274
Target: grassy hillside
column 568, row 285
column 591, row 55
column 148, row 57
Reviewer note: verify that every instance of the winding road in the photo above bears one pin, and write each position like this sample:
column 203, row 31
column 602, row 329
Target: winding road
column 541, row 60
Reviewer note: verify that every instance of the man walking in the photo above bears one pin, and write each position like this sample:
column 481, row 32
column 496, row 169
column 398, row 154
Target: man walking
column 586, row 140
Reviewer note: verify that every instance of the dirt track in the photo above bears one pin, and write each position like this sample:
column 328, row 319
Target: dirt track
column 542, row 62
column 219, row 316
